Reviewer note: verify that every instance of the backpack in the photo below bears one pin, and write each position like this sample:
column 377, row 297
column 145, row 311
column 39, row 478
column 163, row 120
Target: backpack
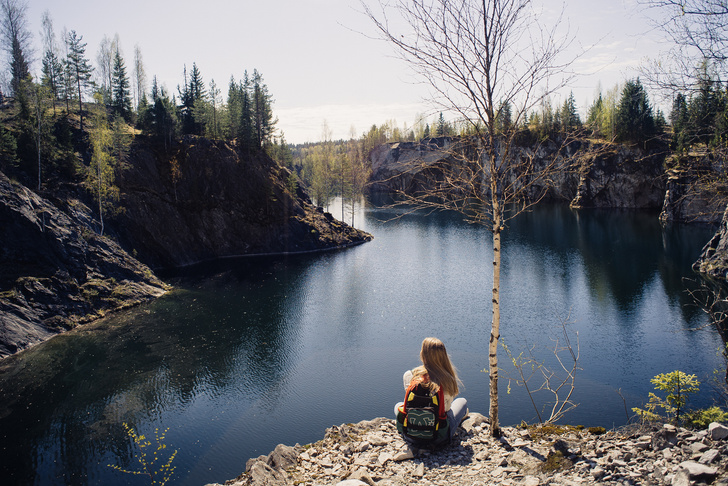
column 422, row 420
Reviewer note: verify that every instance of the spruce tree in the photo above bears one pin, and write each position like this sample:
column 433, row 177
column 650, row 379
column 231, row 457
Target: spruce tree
column 262, row 111
column 441, row 129
column 233, row 109
column 703, row 106
column 679, row 121
column 120, row 88
column 504, row 118
column 570, row 119
column 246, row 133
column 635, row 121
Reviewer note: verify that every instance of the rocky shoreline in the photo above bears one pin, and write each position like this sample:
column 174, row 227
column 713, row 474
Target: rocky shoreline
column 372, row 453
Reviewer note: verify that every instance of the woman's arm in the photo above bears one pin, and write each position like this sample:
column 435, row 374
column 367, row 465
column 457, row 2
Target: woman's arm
column 407, row 378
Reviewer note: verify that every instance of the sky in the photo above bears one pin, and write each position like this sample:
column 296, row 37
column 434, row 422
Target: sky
column 318, row 57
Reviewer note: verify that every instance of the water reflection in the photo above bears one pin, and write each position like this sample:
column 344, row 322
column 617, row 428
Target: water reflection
column 77, row 389
column 250, row 353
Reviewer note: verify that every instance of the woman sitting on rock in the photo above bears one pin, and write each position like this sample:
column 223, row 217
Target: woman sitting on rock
column 437, row 372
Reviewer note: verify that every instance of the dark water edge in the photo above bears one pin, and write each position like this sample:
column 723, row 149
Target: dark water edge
column 249, row 353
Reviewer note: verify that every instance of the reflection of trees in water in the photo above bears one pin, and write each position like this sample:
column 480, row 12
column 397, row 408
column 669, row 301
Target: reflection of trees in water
column 68, row 397
column 621, row 250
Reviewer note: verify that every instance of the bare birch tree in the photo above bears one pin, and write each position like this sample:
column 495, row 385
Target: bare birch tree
column 140, row 77
column 696, row 32
column 478, row 57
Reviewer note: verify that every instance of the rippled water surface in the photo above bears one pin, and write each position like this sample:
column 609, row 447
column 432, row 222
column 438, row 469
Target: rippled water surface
column 247, row 354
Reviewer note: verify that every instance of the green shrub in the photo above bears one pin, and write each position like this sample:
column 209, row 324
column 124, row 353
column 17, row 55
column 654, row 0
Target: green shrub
column 700, row 419
column 677, row 386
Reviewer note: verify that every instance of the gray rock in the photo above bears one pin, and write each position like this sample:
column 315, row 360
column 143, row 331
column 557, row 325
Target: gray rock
column 480, row 460
column 698, row 447
column 664, row 438
column 262, row 474
column 681, row 478
column 717, row 431
column 709, row 456
column 283, row 457
column 598, row 473
column 696, row 470
column 363, row 476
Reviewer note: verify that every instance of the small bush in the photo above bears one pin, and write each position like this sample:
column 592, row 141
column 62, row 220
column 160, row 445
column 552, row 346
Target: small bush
column 700, row 419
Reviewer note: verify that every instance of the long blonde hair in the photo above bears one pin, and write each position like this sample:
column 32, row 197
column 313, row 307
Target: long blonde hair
column 436, row 363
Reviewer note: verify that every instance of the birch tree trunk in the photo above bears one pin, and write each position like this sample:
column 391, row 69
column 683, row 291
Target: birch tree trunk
column 495, row 323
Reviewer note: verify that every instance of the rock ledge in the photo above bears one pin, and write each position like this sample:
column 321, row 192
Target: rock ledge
column 372, row 453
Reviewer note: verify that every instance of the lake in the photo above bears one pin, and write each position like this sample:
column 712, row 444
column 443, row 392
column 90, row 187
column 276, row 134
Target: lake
column 249, row 353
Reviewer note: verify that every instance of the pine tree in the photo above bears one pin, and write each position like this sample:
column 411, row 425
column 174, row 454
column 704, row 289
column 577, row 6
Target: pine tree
column 679, row 121
column 160, row 120
column 702, row 108
column 186, row 105
column 199, row 100
column 120, row 88
column 78, row 68
column 441, row 130
column 635, row 120
column 212, row 111
column 192, row 98
column 504, row 118
column 262, row 101
column 233, row 109
column 570, row 119
column 246, row 133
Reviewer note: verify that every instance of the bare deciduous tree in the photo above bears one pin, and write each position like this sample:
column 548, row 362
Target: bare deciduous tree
column 697, row 31
column 479, row 56
column 140, row 76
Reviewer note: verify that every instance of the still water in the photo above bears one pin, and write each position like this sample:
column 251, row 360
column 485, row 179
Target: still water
column 247, row 354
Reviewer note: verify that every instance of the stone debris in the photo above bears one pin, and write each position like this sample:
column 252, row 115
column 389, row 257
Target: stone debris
column 371, row 453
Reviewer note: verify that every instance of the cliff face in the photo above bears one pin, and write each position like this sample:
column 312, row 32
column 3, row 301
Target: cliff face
column 606, row 176
column 621, row 177
column 714, row 259
column 203, row 201
column 55, row 272
column 602, row 177
column 200, row 202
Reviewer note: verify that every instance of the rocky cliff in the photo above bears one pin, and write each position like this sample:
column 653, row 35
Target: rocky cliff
column 696, row 188
column 618, row 176
column 55, row 272
column 198, row 202
column 203, row 201
column 371, row 453
column 714, row 259
column 601, row 175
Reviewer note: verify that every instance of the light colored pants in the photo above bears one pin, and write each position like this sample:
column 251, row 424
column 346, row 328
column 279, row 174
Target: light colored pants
column 456, row 414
